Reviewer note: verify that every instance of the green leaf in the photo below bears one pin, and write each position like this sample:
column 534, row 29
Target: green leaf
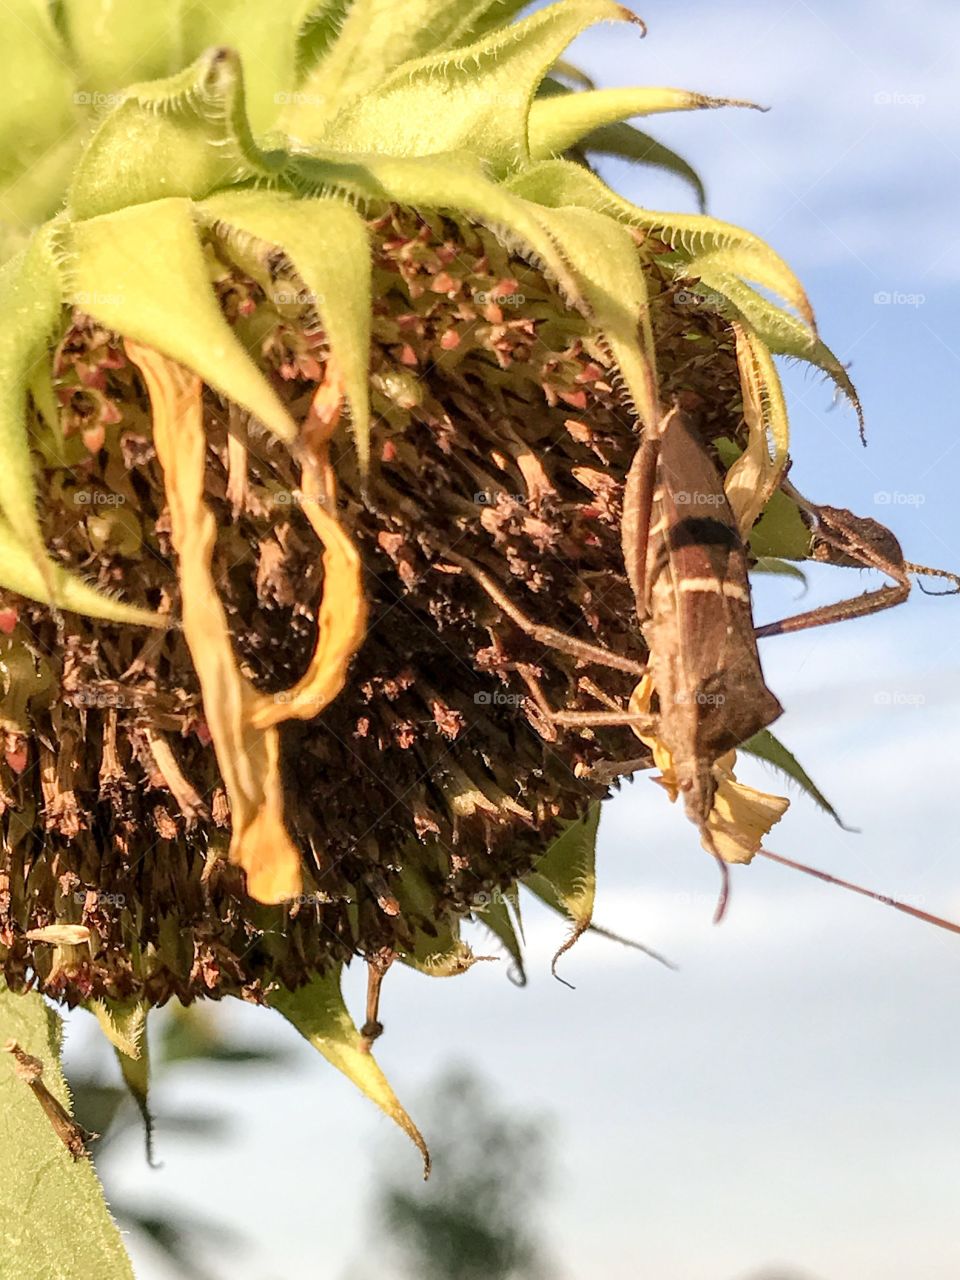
column 456, row 182
column 31, row 295
column 329, row 247
column 267, row 41
column 490, row 15
column 192, row 1033
column 30, row 306
column 40, row 386
column 495, row 916
column 142, row 272
column 628, row 143
column 779, row 331
column 764, row 746
column 319, row 34
column 125, row 1026
column 184, row 136
column 115, row 42
column 30, row 197
column 605, row 257
column 780, row 533
column 565, row 877
column 444, row 956
column 52, row 585
column 436, row 950
column 560, row 182
column 55, row 1222
column 374, row 38
column 779, row 568
column 564, row 120
column 477, row 97
column 320, row 1015
column 563, row 77
column 37, row 111
column 755, row 476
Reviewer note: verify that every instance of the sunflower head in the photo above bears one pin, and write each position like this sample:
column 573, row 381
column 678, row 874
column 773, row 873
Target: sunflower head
column 324, row 355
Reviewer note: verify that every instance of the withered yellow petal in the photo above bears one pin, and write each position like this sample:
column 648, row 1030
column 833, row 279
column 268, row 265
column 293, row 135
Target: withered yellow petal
column 343, row 610
column 61, row 935
column 741, row 816
column 248, row 756
column 753, row 478
column 641, row 705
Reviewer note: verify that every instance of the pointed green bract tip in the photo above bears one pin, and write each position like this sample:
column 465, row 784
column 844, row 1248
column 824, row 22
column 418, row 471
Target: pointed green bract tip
column 318, row 1012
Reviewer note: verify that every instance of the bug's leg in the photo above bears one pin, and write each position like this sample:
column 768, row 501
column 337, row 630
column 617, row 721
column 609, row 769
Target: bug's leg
column 924, row 571
column 638, row 491
column 377, row 966
column 843, row 538
column 613, row 718
column 605, row 771
column 858, row 607
column 608, row 771
column 549, row 637
column 604, row 720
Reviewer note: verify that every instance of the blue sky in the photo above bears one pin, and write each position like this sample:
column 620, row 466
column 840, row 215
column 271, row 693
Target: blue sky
column 788, row 1097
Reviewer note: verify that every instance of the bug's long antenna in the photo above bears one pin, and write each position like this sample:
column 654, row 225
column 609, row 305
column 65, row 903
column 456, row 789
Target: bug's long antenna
column 939, row 921
column 924, row 571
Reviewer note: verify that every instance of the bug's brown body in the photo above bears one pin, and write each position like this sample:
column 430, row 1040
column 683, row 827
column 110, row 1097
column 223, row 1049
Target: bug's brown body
column 688, row 565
